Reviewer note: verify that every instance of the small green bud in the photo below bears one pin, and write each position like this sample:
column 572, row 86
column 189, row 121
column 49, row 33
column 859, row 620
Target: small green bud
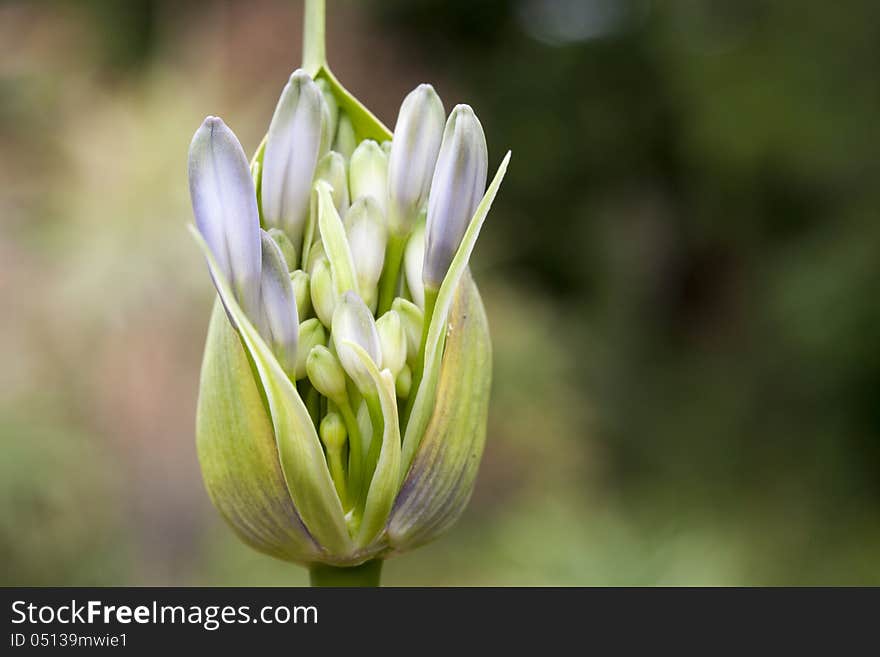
column 413, row 259
column 393, row 340
column 326, row 374
column 332, row 116
column 288, row 250
column 412, row 318
column 353, row 322
column 346, row 141
column 323, row 292
column 331, row 169
column 367, row 239
column 386, row 147
column 333, row 433
column 403, row 383
column 311, row 334
column 368, row 173
column 301, row 293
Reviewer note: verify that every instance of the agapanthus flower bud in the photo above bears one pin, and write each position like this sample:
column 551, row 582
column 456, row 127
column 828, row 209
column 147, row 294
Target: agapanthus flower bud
column 340, row 454
column 413, row 260
column 332, row 107
column 345, row 141
column 288, row 250
column 225, row 207
column 403, row 382
column 368, row 173
column 412, row 319
column 302, row 293
column 291, row 155
column 392, row 338
column 331, row 169
column 333, row 432
column 367, row 238
column 279, row 323
column 417, row 138
column 456, row 189
column 325, row 373
column 323, row 291
column 353, row 323
column 311, row 334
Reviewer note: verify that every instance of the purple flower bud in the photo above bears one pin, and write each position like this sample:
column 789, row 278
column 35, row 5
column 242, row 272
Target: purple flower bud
column 456, row 189
column 225, row 207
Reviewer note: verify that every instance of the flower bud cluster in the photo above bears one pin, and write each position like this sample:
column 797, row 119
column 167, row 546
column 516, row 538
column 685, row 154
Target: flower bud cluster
column 333, row 245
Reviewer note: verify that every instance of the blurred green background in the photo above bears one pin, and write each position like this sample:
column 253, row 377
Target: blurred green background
column 681, row 273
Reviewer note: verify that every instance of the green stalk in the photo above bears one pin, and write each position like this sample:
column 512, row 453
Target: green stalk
column 314, row 37
column 367, row 574
column 355, row 452
column 391, row 272
column 419, row 371
column 377, row 419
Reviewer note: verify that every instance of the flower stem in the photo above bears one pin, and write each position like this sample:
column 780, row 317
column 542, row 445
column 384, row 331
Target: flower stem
column 391, row 273
column 314, row 37
column 419, row 371
column 367, row 574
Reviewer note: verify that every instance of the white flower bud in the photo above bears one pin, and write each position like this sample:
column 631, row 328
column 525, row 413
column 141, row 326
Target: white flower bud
column 331, row 169
column 311, row 334
column 279, row 323
column 417, row 138
column 368, row 173
column 413, row 259
column 326, row 374
column 346, row 141
column 331, row 115
column 288, row 250
column 353, row 322
column 323, row 292
column 367, row 239
column 412, row 318
column 393, row 340
column 301, row 293
column 291, row 155
column 456, row 189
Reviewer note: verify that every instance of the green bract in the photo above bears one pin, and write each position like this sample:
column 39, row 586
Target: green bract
column 342, row 405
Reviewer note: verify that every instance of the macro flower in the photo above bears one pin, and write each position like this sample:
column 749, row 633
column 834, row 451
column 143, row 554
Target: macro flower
column 344, row 388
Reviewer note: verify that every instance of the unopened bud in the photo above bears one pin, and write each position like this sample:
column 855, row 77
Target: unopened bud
column 413, row 259
column 353, row 322
column 333, row 432
column 288, row 250
column 367, row 239
column 331, row 169
column 346, row 141
column 301, row 293
column 292, row 149
column 311, row 334
column 368, row 173
column 412, row 318
column 279, row 323
column 225, row 207
column 326, row 374
column 456, row 189
column 323, row 292
column 393, row 340
column 417, row 138
column 331, row 115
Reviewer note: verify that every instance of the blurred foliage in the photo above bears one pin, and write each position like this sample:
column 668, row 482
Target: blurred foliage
column 679, row 273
